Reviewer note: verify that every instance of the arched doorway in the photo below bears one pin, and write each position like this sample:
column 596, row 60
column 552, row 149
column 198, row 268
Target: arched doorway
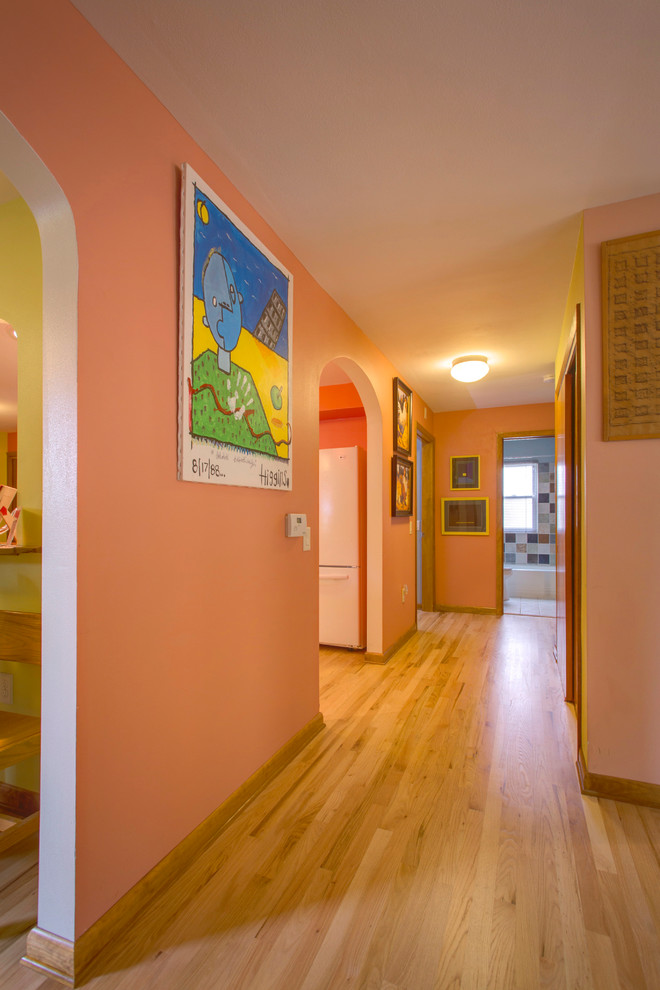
column 374, row 507
column 52, row 213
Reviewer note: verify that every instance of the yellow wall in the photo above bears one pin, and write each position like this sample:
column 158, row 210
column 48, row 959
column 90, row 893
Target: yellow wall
column 20, row 577
column 575, row 296
column 20, row 305
column 3, row 458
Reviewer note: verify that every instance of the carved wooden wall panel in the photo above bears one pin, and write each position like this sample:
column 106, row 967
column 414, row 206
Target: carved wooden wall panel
column 631, row 337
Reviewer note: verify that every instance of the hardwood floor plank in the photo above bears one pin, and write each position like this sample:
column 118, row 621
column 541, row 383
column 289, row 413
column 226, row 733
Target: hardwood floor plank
column 336, row 947
column 600, row 845
column 624, row 947
column 602, row 961
column 638, row 914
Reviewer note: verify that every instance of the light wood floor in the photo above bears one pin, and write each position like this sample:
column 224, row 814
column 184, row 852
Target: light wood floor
column 432, row 836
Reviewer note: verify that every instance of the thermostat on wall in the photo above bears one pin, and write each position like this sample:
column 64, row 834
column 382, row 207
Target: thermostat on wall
column 296, row 523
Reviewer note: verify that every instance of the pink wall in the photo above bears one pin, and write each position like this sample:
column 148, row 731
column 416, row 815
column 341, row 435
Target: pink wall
column 192, row 670
column 622, row 547
column 466, row 566
column 343, row 422
column 343, row 432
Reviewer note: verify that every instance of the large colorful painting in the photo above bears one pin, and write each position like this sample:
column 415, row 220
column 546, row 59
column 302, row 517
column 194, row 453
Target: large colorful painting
column 235, row 350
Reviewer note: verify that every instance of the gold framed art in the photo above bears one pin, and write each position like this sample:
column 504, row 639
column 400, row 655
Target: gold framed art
column 403, row 491
column 463, row 516
column 402, row 418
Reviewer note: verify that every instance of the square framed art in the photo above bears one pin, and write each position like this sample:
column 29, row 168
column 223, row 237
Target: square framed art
column 464, row 472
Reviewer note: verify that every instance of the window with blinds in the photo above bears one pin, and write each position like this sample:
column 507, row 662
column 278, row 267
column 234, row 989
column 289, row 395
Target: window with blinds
column 519, row 487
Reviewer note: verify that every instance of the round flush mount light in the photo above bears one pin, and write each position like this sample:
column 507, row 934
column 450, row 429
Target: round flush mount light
column 469, row 369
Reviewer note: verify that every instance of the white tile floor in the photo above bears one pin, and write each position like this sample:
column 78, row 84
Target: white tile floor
column 530, row 606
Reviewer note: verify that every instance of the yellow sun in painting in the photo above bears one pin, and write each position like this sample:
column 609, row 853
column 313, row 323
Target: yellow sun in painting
column 202, row 211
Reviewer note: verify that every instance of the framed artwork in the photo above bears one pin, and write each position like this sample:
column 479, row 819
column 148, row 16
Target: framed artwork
column 235, row 424
column 402, row 418
column 465, row 516
column 464, row 472
column 631, row 356
column 402, row 486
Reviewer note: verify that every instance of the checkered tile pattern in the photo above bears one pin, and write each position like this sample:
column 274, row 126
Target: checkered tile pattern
column 537, row 547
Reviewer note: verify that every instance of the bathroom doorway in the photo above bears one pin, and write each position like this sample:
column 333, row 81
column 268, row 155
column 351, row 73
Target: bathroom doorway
column 528, row 512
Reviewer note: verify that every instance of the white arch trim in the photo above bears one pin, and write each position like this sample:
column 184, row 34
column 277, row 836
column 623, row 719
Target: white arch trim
column 51, row 210
column 374, row 500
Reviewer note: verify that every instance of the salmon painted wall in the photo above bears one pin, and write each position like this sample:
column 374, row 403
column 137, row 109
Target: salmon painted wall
column 466, row 566
column 343, row 422
column 198, row 621
column 343, row 432
column 622, row 546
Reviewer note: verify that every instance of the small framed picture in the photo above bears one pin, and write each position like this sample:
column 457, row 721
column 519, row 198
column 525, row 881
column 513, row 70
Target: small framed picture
column 465, row 516
column 402, row 418
column 402, row 486
column 464, row 472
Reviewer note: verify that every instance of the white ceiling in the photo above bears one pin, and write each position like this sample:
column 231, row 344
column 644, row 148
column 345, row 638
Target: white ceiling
column 426, row 160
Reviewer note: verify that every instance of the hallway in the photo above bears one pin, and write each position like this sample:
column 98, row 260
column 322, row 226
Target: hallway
column 432, row 836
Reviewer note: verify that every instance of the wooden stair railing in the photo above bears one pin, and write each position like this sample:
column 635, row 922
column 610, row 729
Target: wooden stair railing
column 20, row 735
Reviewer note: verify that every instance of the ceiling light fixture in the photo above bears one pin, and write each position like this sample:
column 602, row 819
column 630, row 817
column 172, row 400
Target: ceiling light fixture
column 470, row 369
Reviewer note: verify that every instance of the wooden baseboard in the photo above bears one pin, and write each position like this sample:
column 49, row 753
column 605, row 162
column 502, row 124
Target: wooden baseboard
column 616, row 788
column 476, row 610
column 51, row 956
column 388, row 654
column 71, row 962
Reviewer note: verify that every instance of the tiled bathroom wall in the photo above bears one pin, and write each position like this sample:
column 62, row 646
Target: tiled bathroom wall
column 537, row 547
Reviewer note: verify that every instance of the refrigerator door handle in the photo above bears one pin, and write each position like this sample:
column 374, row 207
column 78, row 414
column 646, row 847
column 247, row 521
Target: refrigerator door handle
column 330, row 577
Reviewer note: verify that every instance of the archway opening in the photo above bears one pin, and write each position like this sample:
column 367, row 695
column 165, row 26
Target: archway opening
column 52, row 213
column 355, row 419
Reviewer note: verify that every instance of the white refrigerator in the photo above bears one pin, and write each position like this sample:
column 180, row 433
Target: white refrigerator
column 342, row 503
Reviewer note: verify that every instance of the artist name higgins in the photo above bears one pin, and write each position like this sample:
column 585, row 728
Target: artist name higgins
column 206, row 469
column 273, row 479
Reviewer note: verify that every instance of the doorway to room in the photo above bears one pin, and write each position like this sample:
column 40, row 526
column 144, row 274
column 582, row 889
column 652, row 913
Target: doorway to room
column 425, row 519
column 342, row 511
column 528, row 512
column 49, row 207
column 345, row 371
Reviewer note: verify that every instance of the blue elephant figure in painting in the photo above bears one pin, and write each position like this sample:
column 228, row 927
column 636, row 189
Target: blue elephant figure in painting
column 222, row 302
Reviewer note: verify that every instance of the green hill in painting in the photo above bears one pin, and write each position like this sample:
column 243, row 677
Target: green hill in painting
column 216, row 420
